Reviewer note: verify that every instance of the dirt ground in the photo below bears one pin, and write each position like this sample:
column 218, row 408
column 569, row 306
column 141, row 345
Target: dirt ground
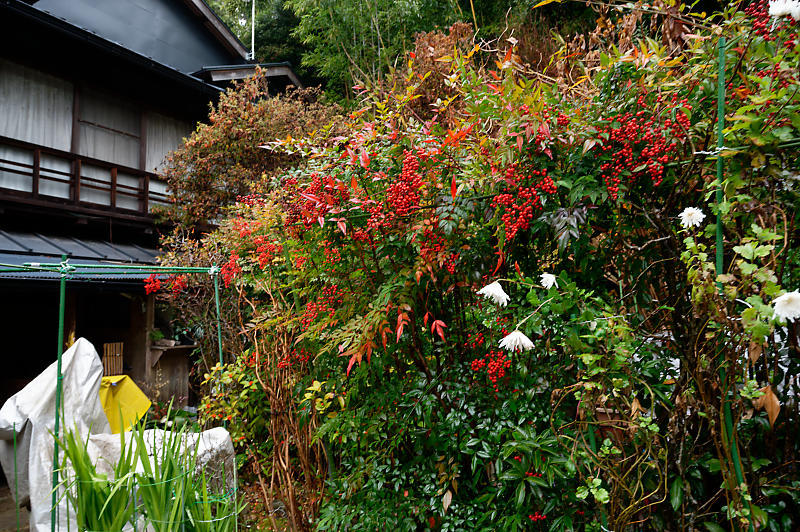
column 8, row 513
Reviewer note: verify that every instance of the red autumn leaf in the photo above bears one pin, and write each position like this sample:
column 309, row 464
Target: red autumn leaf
column 544, row 129
column 401, row 322
column 310, row 197
column 353, row 359
column 516, row 267
column 425, row 318
column 354, row 182
column 500, row 258
column 438, row 327
column 453, row 187
column 342, row 225
column 363, row 158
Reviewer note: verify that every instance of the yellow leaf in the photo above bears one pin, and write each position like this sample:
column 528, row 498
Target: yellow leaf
column 545, row 2
column 315, row 387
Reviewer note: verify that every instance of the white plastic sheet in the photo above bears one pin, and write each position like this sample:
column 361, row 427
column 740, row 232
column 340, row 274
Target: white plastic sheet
column 32, row 412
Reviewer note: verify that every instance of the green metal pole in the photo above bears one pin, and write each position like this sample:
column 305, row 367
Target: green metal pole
column 59, row 384
column 728, row 433
column 214, row 274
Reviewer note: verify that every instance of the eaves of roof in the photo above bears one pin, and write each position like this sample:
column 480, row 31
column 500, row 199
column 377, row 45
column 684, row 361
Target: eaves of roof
column 217, row 27
column 115, row 49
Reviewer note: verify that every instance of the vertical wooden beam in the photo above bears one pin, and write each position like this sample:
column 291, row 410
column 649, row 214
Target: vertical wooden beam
column 114, row 187
column 76, row 180
column 145, row 193
column 36, row 164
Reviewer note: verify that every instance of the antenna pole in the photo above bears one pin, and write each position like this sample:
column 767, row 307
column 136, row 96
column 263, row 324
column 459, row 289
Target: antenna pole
column 253, row 32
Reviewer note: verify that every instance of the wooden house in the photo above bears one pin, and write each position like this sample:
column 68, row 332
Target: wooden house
column 93, row 95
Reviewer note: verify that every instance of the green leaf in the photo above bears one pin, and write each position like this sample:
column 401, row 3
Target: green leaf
column 713, row 527
column 676, row 493
column 520, row 494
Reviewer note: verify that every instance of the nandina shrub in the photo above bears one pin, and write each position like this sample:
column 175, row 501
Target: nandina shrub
column 590, row 391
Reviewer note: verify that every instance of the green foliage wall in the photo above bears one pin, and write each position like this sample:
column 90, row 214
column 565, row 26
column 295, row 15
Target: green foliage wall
column 387, row 381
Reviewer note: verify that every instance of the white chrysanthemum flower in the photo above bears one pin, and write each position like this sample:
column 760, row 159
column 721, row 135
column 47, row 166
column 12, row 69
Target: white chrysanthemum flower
column 691, row 217
column 495, row 292
column 782, row 8
column 516, row 341
column 787, row 306
column 548, row 280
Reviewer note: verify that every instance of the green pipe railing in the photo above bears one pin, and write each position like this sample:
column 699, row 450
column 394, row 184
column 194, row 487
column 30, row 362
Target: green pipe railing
column 728, row 434
column 62, row 291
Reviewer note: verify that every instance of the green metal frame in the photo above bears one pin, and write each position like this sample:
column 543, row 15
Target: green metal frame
column 728, row 434
column 65, row 270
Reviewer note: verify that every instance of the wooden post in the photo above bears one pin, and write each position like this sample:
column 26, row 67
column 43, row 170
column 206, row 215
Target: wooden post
column 76, row 176
column 145, row 193
column 36, row 165
column 114, row 187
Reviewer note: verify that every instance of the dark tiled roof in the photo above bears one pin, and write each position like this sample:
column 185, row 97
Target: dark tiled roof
column 20, row 248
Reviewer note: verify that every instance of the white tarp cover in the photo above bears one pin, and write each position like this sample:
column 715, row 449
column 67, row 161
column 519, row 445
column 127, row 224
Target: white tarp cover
column 32, row 412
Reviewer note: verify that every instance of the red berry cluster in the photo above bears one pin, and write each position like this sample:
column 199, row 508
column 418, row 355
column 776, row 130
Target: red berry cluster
column 532, row 474
column 294, row 358
column 152, row 284
column 450, row 263
column 536, row 516
column 520, row 202
column 403, row 195
column 763, row 23
column 361, row 235
column 474, row 341
column 325, row 304
column 782, row 78
column 519, row 209
column 300, row 261
column 332, row 254
column 562, row 120
column 266, row 251
column 251, row 200
column 494, row 363
column 243, row 226
column 640, row 145
column 230, row 269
